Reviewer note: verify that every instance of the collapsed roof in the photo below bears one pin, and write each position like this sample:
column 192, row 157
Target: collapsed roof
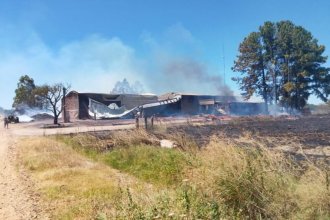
column 108, row 106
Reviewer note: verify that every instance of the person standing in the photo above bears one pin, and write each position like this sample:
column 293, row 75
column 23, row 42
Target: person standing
column 6, row 122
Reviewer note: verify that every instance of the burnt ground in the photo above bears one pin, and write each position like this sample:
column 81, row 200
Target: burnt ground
column 311, row 131
column 301, row 136
column 305, row 138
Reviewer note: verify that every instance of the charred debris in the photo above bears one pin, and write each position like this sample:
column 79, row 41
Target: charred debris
column 128, row 106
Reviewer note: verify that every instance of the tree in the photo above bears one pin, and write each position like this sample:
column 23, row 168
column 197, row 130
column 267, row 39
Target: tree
column 268, row 38
column 51, row 95
column 24, row 93
column 282, row 62
column 124, row 87
column 252, row 65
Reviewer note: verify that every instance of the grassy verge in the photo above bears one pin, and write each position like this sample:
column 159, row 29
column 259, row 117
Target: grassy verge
column 154, row 165
column 135, row 156
column 72, row 185
column 83, row 177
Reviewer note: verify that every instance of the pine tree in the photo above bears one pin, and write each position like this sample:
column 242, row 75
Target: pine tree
column 282, row 62
column 251, row 63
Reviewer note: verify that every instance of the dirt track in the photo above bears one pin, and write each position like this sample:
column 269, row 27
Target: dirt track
column 17, row 200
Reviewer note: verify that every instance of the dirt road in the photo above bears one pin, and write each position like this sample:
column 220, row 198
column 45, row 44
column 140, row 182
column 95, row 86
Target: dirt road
column 21, row 130
column 17, row 200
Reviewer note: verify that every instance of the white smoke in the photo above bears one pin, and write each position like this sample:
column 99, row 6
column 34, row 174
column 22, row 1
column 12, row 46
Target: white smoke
column 95, row 63
column 28, row 114
column 92, row 64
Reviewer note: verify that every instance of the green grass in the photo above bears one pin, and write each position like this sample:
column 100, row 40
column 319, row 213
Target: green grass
column 152, row 164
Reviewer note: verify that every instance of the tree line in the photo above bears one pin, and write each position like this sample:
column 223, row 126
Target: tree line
column 282, row 63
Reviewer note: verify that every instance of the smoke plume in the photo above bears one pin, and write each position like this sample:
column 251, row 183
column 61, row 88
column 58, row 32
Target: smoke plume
column 196, row 75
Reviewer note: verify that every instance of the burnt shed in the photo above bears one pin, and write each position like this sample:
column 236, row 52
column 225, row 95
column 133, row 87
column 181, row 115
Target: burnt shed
column 77, row 104
column 187, row 104
column 192, row 104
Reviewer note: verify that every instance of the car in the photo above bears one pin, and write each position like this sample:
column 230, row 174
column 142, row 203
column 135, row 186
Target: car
column 13, row 119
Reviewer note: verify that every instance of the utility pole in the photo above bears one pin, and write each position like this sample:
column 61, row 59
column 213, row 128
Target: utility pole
column 64, row 110
column 224, row 65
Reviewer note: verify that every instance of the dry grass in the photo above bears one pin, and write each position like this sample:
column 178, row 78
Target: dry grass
column 108, row 141
column 313, row 195
column 69, row 182
column 221, row 180
column 256, row 182
column 73, row 186
column 250, row 182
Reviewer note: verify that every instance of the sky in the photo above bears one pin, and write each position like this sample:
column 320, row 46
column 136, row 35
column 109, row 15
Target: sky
column 93, row 44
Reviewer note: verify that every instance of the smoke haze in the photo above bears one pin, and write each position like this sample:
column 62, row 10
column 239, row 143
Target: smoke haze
column 168, row 62
column 196, row 76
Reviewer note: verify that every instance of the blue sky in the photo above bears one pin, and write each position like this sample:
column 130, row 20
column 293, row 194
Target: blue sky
column 92, row 44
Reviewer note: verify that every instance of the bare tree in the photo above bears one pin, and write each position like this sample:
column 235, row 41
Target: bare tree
column 51, row 95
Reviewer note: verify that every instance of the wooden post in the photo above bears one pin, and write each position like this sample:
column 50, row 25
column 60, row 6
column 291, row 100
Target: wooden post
column 65, row 119
column 152, row 121
column 146, row 122
column 137, row 122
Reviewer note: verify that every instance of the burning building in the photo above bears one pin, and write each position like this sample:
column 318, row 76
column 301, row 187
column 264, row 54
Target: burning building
column 98, row 105
column 192, row 104
column 107, row 106
column 186, row 104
